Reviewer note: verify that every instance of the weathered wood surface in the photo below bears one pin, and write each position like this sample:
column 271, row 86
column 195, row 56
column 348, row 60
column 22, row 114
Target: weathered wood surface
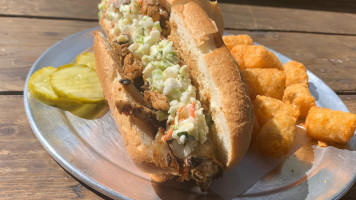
column 251, row 15
column 23, row 40
column 27, row 171
column 71, row 9
column 331, row 57
column 321, row 34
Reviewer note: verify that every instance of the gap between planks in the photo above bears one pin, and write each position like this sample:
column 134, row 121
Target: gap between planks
column 49, row 17
column 289, row 31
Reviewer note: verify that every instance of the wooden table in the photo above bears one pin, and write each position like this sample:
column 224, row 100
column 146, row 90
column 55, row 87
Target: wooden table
column 320, row 34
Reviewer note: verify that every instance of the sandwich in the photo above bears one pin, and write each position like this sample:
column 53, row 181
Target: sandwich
column 173, row 88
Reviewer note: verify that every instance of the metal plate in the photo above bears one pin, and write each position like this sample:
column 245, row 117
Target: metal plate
column 93, row 151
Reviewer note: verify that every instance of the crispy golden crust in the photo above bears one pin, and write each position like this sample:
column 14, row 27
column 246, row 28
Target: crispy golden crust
column 235, row 103
column 210, row 8
column 196, row 20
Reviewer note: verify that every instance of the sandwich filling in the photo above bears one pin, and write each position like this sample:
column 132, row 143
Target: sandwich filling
column 141, row 28
column 186, row 123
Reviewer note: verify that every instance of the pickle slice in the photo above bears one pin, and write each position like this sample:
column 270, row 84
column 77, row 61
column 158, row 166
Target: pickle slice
column 86, row 58
column 39, row 87
column 91, row 111
column 77, row 83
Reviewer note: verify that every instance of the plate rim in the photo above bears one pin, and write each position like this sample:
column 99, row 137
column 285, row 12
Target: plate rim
column 87, row 179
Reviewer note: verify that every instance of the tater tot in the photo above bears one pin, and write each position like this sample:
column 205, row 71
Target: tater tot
column 233, row 40
column 295, row 73
column 265, row 108
column 328, row 125
column 259, row 57
column 238, row 53
column 277, row 135
column 266, row 82
column 299, row 95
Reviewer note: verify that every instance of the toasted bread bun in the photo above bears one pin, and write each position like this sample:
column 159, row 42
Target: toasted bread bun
column 214, row 73
column 217, row 77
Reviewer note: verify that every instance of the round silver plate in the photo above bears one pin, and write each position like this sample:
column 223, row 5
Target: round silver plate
column 93, row 151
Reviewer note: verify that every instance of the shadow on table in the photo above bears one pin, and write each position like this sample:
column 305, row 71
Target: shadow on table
column 348, row 6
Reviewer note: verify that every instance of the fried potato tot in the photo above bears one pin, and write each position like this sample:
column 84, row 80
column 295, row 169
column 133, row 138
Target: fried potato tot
column 299, row 95
column 295, row 73
column 259, row 57
column 238, row 53
column 328, row 125
column 266, row 108
column 266, row 82
column 233, row 40
column 277, row 135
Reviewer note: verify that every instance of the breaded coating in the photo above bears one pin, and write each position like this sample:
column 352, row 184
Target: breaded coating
column 259, row 57
column 265, row 108
column 238, row 52
column 299, row 95
column 328, row 125
column 233, row 40
column 157, row 100
column 277, row 135
column 266, row 82
column 295, row 73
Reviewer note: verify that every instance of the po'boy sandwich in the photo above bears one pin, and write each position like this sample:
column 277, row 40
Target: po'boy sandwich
column 174, row 89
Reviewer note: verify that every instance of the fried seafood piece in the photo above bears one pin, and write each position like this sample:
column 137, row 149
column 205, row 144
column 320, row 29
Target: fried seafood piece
column 128, row 65
column 139, row 111
column 202, row 165
column 157, row 100
column 132, row 67
column 151, row 9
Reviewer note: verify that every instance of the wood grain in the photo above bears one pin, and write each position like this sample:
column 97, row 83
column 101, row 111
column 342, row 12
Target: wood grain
column 250, row 15
column 77, row 9
column 285, row 19
column 332, row 58
column 27, row 171
column 24, row 40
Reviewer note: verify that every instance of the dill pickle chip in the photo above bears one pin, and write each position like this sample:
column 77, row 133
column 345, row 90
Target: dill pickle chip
column 77, row 83
column 91, row 111
column 39, row 87
column 86, row 58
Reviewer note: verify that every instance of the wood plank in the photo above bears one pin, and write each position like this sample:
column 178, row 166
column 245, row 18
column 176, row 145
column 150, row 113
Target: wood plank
column 79, row 9
column 27, row 171
column 350, row 102
column 253, row 17
column 24, row 40
column 345, row 6
column 332, row 58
